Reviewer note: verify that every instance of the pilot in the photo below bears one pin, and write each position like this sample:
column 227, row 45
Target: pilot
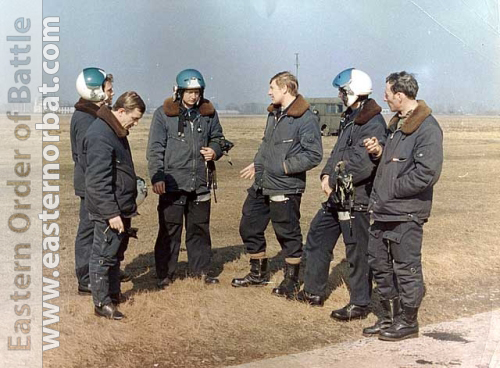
column 110, row 197
column 347, row 181
column 185, row 134
column 95, row 88
column 291, row 146
column 400, row 202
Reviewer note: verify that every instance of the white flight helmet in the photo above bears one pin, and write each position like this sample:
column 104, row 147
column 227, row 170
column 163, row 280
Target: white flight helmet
column 142, row 191
column 355, row 83
column 90, row 84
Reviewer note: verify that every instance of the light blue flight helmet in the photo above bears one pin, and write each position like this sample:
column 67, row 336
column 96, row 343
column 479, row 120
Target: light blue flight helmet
column 355, row 83
column 188, row 79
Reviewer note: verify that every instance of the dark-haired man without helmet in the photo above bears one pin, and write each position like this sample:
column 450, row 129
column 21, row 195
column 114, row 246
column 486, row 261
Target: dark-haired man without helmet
column 110, row 197
column 95, row 88
column 183, row 137
column 400, row 202
column 291, row 146
column 347, row 181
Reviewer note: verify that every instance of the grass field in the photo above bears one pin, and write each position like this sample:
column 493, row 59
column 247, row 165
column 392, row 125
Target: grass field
column 193, row 325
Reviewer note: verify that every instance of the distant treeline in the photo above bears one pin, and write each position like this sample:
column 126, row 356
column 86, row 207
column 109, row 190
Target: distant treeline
column 473, row 109
column 250, row 108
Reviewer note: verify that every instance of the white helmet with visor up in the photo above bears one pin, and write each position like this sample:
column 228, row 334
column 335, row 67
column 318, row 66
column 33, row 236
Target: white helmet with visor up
column 353, row 83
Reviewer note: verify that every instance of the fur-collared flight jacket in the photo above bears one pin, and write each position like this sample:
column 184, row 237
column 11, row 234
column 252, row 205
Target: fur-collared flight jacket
column 290, row 147
column 362, row 123
column 410, row 165
column 173, row 154
column 110, row 179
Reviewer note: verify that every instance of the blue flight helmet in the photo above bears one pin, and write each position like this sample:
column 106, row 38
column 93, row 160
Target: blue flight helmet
column 188, row 79
column 90, row 84
column 355, row 83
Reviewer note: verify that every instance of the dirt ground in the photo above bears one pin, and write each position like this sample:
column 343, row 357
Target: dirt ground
column 467, row 342
column 193, row 325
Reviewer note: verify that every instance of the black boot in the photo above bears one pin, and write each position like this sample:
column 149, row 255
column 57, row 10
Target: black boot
column 349, row 312
column 391, row 308
column 258, row 275
column 404, row 327
column 290, row 285
column 311, row 299
column 164, row 283
column 211, row 280
column 108, row 311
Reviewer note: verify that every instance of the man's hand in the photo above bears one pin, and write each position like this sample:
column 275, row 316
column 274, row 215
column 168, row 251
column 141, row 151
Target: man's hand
column 159, row 187
column 208, row 153
column 325, row 185
column 116, row 223
column 373, row 146
column 248, row 172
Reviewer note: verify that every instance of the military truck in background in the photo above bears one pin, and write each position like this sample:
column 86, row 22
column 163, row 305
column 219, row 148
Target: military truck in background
column 328, row 110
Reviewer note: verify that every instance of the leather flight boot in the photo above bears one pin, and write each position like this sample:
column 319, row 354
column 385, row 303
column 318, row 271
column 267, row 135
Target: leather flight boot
column 164, row 283
column 391, row 308
column 311, row 299
column 208, row 279
column 258, row 275
column 211, row 280
column 108, row 311
column 290, row 285
column 349, row 312
column 405, row 326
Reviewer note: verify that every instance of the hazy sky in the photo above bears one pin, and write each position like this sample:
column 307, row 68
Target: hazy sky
column 453, row 46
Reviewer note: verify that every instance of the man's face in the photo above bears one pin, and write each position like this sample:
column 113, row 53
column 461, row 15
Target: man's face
column 392, row 99
column 276, row 93
column 191, row 97
column 129, row 119
column 108, row 90
column 343, row 96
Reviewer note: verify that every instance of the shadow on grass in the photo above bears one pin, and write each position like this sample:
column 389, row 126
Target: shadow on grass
column 143, row 272
column 339, row 275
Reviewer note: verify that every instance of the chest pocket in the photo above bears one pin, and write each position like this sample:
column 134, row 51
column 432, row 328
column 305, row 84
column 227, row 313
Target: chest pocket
column 202, row 130
column 402, row 165
column 177, row 152
column 285, row 138
column 288, row 141
column 175, row 142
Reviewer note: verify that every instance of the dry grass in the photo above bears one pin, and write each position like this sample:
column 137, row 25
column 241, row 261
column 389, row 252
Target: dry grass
column 193, row 325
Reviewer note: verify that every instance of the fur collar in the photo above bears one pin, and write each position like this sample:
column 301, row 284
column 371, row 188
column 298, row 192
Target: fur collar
column 298, row 107
column 414, row 120
column 105, row 114
column 87, row 106
column 369, row 109
column 172, row 108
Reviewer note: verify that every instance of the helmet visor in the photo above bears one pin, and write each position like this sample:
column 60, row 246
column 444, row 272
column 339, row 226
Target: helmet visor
column 343, row 78
column 94, row 77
